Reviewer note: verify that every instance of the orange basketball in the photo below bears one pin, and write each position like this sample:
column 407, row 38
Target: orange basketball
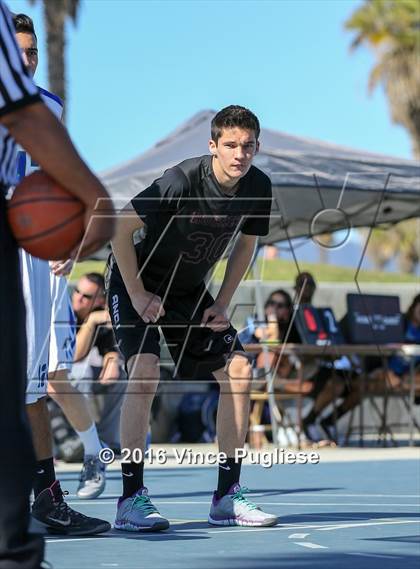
column 46, row 220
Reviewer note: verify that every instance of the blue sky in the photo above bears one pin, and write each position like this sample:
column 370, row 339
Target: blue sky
column 137, row 69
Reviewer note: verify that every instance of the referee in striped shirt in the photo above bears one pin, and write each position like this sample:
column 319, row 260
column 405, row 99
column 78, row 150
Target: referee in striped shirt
column 26, row 120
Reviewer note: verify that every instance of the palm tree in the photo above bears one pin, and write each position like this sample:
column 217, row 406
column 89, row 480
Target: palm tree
column 56, row 13
column 408, row 244
column 380, row 250
column 325, row 242
column 401, row 242
column 392, row 29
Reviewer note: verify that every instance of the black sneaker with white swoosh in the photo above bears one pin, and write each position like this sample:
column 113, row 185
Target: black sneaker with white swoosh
column 56, row 516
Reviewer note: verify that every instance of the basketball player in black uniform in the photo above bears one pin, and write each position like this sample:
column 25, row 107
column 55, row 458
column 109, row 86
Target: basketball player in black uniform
column 183, row 223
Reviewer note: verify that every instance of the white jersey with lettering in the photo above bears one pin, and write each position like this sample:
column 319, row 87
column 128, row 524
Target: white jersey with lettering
column 63, row 326
column 37, row 295
column 50, row 322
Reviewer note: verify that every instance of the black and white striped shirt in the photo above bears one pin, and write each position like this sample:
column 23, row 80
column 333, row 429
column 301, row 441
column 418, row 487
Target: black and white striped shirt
column 16, row 90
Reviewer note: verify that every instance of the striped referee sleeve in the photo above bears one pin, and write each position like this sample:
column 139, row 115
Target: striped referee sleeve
column 16, row 87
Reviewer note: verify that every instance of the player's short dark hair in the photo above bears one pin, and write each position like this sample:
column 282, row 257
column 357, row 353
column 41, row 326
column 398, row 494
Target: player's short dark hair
column 98, row 279
column 232, row 116
column 23, row 24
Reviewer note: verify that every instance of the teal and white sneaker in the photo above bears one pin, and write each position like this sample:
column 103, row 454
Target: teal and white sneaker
column 137, row 513
column 92, row 478
column 236, row 510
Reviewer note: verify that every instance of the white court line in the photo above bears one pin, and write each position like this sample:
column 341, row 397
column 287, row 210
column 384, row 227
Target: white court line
column 282, row 527
column 376, row 523
column 298, row 535
column 310, row 545
column 345, row 504
column 68, row 539
column 319, row 494
column 299, row 494
column 287, row 527
column 199, row 502
column 374, row 555
column 318, row 527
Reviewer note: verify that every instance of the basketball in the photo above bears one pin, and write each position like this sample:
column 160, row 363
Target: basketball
column 46, row 220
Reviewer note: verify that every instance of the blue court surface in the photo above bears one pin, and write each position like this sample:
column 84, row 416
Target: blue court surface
column 334, row 514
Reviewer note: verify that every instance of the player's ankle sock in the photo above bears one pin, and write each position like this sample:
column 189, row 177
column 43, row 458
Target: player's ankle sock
column 229, row 473
column 340, row 411
column 310, row 417
column 328, row 420
column 132, row 475
column 333, row 417
column 44, row 475
column 90, row 440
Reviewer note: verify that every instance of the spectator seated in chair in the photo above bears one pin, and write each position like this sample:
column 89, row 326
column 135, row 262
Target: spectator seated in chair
column 397, row 375
column 277, row 329
column 325, row 390
column 97, row 371
column 278, row 310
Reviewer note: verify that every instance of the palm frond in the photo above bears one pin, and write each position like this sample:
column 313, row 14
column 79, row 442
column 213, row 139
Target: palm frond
column 391, row 28
column 72, row 9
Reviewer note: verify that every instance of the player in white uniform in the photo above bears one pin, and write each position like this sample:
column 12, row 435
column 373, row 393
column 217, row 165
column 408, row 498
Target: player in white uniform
column 50, row 320
column 37, row 295
column 63, row 329
column 52, row 336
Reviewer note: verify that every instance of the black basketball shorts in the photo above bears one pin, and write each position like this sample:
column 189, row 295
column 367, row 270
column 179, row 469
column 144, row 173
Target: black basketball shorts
column 196, row 351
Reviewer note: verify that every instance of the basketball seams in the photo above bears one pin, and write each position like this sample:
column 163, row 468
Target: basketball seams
column 51, row 229
column 45, row 218
column 17, row 202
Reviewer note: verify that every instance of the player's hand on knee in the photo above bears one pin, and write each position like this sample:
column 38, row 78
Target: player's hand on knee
column 148, row 306
column 215, row 317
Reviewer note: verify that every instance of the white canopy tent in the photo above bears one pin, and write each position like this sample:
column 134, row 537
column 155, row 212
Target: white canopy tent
column 357, row 188
column 317, row 187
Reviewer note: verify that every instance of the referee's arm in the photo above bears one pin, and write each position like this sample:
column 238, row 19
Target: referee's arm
column 42, row 135
column 36, row 129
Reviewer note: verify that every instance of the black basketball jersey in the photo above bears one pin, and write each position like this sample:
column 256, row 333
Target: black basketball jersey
column 190, row 222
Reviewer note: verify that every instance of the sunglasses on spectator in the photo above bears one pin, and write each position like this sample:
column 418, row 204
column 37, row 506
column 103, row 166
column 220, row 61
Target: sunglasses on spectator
column 278, row 304
column 83, row 295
